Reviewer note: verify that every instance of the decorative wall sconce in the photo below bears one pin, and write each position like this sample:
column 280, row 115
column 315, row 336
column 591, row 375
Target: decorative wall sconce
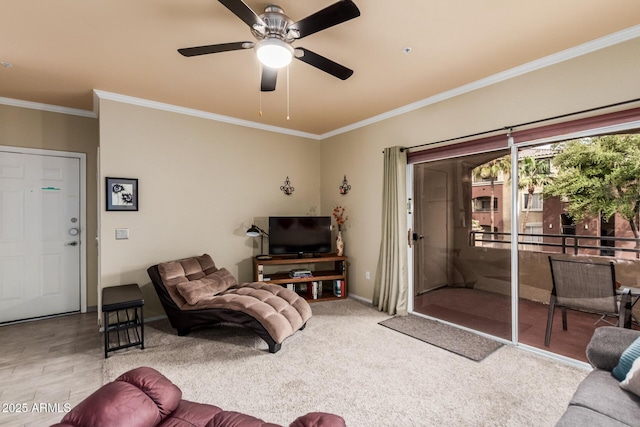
column 345, row 187
column 287, row 188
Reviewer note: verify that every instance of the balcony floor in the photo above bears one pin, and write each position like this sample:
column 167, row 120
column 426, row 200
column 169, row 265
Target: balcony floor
column 490, row 313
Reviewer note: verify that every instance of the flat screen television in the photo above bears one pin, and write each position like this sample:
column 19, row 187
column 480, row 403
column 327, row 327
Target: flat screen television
column 299, row 235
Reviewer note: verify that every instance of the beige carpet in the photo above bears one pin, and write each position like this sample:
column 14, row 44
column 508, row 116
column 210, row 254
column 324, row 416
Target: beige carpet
column 345, row 363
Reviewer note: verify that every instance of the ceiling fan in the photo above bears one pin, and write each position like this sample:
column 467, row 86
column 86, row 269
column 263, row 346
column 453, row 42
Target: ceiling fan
column 275, row 32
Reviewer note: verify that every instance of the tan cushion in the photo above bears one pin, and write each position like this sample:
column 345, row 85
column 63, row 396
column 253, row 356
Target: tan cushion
column 172, row 273
column 221, row 280
column 209, row 286
column 194, row 290
column 183, row 270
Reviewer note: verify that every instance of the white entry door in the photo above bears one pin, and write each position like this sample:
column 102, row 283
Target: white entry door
column 39, row 235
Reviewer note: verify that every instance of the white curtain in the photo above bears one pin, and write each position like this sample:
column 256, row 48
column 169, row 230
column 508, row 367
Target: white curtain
column 392, row 281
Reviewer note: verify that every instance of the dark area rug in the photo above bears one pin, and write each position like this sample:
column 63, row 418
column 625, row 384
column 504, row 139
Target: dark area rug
column 455, row 340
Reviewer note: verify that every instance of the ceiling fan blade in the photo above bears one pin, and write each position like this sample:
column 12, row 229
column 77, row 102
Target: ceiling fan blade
column 322, row 63
column 335, row 14
column 244, row 12
column 214, row 48
column 269, row 77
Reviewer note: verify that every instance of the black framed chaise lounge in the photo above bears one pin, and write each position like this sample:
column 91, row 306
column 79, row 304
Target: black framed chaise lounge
column 194, row 292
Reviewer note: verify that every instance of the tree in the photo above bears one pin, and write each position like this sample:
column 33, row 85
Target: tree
column 532, row 173
column 600, row 176
column 491, row 171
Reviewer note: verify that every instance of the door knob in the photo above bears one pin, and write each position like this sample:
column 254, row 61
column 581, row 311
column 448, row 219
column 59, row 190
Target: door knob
column 71, row 244
column 413, row 237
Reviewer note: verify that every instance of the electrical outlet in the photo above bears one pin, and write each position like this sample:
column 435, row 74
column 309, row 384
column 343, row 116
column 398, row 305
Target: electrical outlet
column 122, row 233
column 367, row 275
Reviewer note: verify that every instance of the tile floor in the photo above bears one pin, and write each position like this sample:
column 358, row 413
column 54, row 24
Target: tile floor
column 46, row 364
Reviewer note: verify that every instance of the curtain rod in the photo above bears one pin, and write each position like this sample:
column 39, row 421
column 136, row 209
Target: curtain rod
column 617, row 104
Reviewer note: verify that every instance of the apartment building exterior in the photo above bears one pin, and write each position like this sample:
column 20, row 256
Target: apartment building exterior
column 548, row 226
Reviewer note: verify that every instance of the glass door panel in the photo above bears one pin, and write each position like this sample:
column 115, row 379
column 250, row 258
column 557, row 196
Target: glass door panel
column 462, row 215
column 551, row 223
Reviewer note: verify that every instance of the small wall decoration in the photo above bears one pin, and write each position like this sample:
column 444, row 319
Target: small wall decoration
column 345, row 187
column 287, row 188
column 122, row 194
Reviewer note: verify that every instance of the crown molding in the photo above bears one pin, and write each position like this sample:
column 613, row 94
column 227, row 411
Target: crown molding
column 556, row 58
column 99, row 94
column 47, row 107
column 562, row 56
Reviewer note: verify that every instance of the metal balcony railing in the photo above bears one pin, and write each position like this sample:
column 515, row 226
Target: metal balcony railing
column 568, row 243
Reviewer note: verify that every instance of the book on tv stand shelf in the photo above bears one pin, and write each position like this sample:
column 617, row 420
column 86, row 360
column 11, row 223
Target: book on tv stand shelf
column 300, row 272
column 338, row 288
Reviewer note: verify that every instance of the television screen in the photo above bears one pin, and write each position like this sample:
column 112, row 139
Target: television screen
column 299, row 235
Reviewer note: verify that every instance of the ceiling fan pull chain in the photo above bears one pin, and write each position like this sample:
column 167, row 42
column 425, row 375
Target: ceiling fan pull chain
column 287, row 92
column 260, row 77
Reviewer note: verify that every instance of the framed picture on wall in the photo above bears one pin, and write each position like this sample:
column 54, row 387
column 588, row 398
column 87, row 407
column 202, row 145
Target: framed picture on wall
column 122, row 194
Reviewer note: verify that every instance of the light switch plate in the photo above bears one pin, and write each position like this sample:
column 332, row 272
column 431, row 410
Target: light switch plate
column 122, row 233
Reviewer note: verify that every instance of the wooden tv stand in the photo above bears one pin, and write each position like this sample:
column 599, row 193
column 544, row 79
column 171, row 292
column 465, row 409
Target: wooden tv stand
column 324, row 275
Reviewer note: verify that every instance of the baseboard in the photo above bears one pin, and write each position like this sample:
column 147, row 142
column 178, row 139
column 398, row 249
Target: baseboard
column 359, row 298
column 153, row 319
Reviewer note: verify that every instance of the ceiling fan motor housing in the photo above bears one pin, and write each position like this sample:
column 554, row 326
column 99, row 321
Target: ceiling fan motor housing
column 277, row 25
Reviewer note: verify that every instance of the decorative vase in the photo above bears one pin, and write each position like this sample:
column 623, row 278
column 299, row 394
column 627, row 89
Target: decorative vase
column 339, row 244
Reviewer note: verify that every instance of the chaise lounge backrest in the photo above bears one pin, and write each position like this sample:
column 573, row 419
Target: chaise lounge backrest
column 165, row 278
column 174, row 273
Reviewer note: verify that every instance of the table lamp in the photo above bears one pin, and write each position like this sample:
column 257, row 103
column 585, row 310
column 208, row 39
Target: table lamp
column 255, row 231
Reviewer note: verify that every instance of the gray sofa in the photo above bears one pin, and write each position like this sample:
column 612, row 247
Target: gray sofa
column 599, row 400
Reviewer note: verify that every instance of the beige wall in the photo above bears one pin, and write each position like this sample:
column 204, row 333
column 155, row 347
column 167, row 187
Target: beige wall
column 22, row 127
column 203, row 182
column 201, row 185
column 600, row 78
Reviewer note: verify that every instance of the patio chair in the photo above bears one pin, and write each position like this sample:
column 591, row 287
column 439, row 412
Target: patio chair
column 585, row 286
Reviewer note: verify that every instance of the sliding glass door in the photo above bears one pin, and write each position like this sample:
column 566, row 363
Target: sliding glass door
column 462, row 247
column 469, row 209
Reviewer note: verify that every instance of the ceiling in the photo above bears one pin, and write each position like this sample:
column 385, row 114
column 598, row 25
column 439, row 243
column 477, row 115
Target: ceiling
column 61, row 50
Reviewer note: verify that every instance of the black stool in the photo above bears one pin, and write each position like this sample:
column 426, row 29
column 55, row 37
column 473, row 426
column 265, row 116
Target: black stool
column 118, row 299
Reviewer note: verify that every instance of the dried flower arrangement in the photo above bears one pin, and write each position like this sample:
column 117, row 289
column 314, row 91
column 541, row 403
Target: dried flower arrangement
column 339, row 213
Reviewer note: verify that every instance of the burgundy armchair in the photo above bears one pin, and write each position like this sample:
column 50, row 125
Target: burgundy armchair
column 143, row 397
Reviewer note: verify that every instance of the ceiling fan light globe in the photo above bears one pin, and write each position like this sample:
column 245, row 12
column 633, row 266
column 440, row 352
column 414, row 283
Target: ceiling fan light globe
column 274, row 53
